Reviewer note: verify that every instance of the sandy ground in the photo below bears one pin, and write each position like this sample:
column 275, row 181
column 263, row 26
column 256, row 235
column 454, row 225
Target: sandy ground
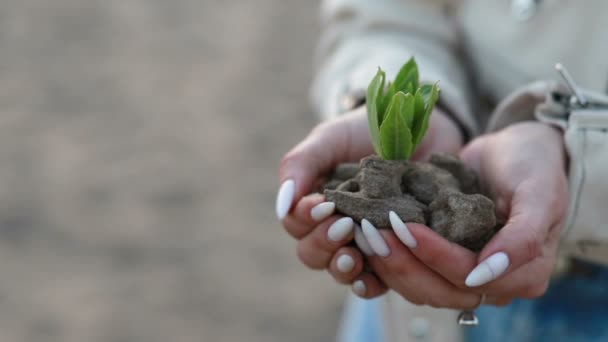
column 138, row 148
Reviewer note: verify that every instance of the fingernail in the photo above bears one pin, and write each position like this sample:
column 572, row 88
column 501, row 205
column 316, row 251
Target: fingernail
column 340, row 229
column 376, row 241
column 488, row 270
column 285, row 197
column 362, row 241
column 359, row 288
column 401, row 230
column 345, row 263
column 322, row 211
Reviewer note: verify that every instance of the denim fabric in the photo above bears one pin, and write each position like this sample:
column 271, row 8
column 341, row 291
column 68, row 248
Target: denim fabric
column 361, row 321
column 574, row 309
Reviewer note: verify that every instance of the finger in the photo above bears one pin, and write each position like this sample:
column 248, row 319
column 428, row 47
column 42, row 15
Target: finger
column 454, row 262
column 368, row 286
column 497, row 301
column 318, row 248
column 521, row 240
column 451, row 261
column 325, row 147
column 346, row 265
column 519, row 284
column 531, row 280
column 361, row 241
column 295, row 228
column 402, row 271
column 471, row 153
column 308, row 212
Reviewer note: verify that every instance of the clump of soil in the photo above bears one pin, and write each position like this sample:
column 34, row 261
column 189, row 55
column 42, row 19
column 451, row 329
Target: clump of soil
column 443, row 194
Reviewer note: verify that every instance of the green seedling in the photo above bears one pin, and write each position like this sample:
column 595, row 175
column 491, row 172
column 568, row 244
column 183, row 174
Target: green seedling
column 399, row 113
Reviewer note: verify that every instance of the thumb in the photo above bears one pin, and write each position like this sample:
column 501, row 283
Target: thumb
column 330, row 143
column 521, row 240
column 472, row 153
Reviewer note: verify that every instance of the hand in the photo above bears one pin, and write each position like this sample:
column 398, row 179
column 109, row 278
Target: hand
column 523, row 168
column 345, row 139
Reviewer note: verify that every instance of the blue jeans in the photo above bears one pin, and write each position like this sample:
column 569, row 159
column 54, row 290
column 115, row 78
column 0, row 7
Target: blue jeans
column 574, row 309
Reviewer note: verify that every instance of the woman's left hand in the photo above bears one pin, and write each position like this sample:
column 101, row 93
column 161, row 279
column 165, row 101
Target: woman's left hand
column 523, row 168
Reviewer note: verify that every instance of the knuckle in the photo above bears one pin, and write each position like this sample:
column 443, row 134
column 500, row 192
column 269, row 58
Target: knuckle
column 289, row 158
column 293, row 229
column 306, row 256
column 533, row 244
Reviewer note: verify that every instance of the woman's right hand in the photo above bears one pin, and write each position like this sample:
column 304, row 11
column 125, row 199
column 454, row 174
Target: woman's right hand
column 324, row 238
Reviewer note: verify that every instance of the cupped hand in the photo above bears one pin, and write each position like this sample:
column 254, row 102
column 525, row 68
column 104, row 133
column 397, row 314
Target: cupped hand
column 324, row 238
column 523, row 169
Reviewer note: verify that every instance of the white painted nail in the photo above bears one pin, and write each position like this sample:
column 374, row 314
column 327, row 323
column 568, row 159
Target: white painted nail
column 491, row 268
column 285, row 198
column 322, row 211
column 401, row 230
column 359, row 288
column 376, row 241
column 340, row 229
column 361, row 241
column 345, row 263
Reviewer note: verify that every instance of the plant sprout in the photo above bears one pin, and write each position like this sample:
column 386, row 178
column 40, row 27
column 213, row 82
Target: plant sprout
column 399, row 113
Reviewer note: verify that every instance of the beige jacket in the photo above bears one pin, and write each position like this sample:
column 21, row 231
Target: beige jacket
column 481, row 49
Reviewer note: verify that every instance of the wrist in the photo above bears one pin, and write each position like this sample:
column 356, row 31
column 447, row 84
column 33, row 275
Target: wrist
column 533, row 134
column 454, row 122
column 444, row 124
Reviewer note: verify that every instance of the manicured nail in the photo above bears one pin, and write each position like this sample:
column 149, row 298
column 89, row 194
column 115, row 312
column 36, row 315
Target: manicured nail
column 285, row 198
column 376, row 241
column 359, row 288
column 490, row 269
column 361, row 241
column 322, row 211
column 345, row 263
column 340, row 229
column 401, row 230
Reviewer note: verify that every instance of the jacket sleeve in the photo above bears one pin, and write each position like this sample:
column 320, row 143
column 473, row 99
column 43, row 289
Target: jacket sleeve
column 585, row 233
column 361, row 35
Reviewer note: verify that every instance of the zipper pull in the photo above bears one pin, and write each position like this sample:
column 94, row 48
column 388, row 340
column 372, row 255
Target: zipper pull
column 581, row 100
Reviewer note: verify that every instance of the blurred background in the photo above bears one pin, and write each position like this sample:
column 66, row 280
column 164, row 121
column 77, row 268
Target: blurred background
column 139, row 144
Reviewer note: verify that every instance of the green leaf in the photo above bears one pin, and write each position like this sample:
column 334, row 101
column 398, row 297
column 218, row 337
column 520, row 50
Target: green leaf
column 409, row 114
column 407, row 78
column 374, row 91
column 395, row 135
column 383, row 105
column 425, row 100
column 418, row 104
column 405, row 81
